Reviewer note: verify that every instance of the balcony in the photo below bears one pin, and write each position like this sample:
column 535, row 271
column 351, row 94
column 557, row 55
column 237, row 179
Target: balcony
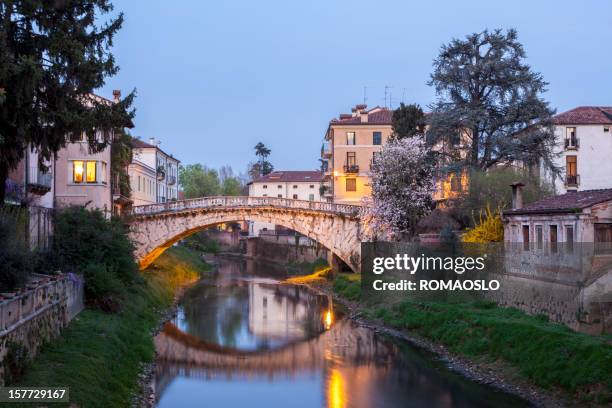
column 351, row 168
column 572, row 180
column 572, row 143
column 171, row 180
column 39, row 182
column 326, row 150
column 161, row 173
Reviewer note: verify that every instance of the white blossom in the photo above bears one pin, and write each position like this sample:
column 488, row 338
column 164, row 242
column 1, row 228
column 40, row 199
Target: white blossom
column 402, row 186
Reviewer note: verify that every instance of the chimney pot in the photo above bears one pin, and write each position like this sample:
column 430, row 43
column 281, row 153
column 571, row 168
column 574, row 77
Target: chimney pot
column 116, row 95
column 517, row 195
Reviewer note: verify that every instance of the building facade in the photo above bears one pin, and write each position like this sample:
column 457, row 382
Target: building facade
column 153, row 174
column 584, row 148
column 297, row 185
column 350, row 143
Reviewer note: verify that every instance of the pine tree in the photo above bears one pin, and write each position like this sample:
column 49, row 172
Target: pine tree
column 53, row 55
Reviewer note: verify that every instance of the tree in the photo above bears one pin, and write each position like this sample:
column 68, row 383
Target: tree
column 402, row 186
column 486, row 90
column 231, row 185
column 53, row 55
column 199, row 181
column 121, row 157
column 408, row 121
column 262, row 166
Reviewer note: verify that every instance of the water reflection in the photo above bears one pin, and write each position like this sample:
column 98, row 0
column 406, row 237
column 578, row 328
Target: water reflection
column 244, row 341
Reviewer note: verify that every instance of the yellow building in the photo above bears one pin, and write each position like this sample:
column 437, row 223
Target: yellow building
column 351, row 141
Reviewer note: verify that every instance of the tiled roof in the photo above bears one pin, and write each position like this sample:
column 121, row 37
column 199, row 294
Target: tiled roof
column 139, row 144
column 568, row 202
column 380, row 116
column 291, row 176
column 585, row 115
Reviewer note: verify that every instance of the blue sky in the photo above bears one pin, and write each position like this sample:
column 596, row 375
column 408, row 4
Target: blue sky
column 215, row 78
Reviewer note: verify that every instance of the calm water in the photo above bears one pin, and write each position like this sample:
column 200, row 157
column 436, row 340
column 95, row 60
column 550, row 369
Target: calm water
column 242, row 340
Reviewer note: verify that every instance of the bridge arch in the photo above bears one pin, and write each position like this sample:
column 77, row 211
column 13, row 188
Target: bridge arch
column 156, row 227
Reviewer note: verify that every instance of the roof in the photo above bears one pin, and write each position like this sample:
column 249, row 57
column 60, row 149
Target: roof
column 566, row 203
column 376, row 116
column 585, row 115
column 139, row 144
column 291, row 177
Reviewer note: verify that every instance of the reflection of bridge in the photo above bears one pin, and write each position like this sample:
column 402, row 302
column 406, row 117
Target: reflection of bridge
column 338, row 227
column 176, row 347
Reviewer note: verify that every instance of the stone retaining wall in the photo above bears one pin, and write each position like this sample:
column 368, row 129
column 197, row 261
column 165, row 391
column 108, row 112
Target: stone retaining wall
column 34, row 316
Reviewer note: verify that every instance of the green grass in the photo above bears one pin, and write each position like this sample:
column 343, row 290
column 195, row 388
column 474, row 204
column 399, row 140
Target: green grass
column 547, row 354
column 309, row 267
column 99, row 355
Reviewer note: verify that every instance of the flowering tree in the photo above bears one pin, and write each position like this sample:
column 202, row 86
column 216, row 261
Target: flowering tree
column 402, row 186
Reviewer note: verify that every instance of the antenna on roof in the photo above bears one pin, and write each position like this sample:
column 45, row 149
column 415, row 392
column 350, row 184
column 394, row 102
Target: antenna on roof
column 365, row 95
column 387, row 93
column 403, row 94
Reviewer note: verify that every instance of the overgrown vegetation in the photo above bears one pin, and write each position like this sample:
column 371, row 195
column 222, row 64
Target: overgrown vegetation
column 348, row 286
column 86, row 242
column 310, row 267
column 201, row 242
column 100, row 354
column 489, row 228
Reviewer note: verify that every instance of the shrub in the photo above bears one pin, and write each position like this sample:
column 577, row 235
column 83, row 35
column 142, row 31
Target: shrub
column 86, row 242
column 15, row 257
column 487, row 229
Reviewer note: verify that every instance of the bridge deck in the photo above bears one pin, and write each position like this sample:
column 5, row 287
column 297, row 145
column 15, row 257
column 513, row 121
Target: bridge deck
column 247, row 202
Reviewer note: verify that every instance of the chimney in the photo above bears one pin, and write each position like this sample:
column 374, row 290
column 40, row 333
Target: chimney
column 364, row 117
column 116, row 95
column 152, row 141
column 517, row 195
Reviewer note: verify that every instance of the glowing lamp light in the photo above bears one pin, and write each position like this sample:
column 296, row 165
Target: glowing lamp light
column 328, row 319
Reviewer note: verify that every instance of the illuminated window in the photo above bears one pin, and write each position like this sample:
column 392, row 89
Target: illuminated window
column 90, row 175
column 77, row 171
column 351, row 184
column 350, row 138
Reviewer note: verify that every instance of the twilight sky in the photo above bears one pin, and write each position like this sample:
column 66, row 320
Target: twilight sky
column 215, row 78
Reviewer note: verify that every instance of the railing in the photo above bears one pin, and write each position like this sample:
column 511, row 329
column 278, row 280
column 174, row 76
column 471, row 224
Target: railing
column 39, row 179
column 572, row 180
column 351, row 168
column 171, row 180
column 326, row 149
column 572, row 142
column 241, row 202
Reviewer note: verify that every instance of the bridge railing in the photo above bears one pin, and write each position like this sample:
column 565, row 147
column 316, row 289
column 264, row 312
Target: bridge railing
column 242, row 201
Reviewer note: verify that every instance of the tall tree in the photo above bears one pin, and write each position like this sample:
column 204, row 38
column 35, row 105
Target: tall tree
column 408, row 121
column 489, row 101
column 53, row 55
column 264, row 166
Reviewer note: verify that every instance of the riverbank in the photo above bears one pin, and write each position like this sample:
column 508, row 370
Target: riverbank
column 100, row 355
column 544, row 363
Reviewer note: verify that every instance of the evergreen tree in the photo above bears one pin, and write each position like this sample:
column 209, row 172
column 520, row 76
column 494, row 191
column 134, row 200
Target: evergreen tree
column 53, row 55
column 491, row 97
column 408, row 121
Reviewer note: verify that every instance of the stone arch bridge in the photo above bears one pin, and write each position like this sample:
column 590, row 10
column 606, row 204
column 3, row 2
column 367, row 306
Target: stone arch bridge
column 338, row 227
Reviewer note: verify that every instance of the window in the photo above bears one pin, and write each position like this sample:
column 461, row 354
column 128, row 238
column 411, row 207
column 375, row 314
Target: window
column 279, row 186
column 295, row 196
column 77, row 171
column 90, row 172
column 377, row 138
column 350, row 138
column 138, row 183
column 351, row 184
column 265, row 186
column 526, row 237
column 553, row 238
column 606, row 129
column 351, row 159
column 311, row 186
column 569, row 237
column 455, row 183
column 265, row 195
column 571, row 170
column 310, row 197
column 539, row 236
column 280, row 196
column 295, row 186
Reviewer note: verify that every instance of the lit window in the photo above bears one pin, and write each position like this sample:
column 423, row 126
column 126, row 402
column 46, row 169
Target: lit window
column 91, row 172
column 77, row 171
column 350, row 138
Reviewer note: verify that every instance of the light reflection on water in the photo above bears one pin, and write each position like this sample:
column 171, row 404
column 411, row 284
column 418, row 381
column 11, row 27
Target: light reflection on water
column 243, row 341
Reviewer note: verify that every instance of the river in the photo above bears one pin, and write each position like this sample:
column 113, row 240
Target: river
column 241, row 339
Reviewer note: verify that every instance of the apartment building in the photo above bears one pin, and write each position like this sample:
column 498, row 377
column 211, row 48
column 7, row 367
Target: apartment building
column 153, row 173
column 297, row 185
column 584, row 148
column 351, row 141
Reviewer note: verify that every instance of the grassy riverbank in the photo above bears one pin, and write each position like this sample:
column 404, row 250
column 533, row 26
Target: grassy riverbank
column 100, row 354
column 546, row 354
